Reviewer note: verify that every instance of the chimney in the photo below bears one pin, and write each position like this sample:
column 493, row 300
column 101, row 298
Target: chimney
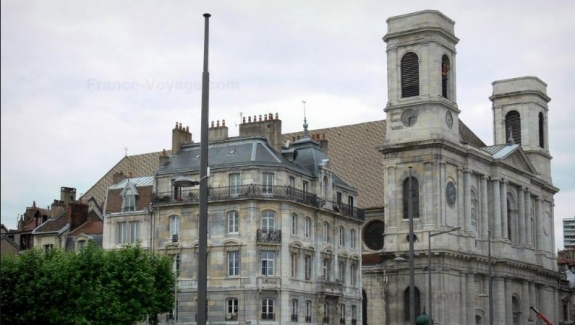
column 56, row 208
column 164, row 157
column 217, row 132
column 269, row 127
column 117, row 177
column 77, row 214
column 323, row 143
column 67, row 194
column 180, row 136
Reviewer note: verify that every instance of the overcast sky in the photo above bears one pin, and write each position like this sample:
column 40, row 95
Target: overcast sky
column 66, row 122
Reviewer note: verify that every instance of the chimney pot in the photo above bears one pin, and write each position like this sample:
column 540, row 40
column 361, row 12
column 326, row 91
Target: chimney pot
column 218, row 123
column 176, row 125
column 187, row 129
column 249, row 119
column 265, row 117
column 223, row 122
column 260, row 118
column 277, row 116
column 271, row 116
column 244, row 119
column 212, row 123
column 180, row 125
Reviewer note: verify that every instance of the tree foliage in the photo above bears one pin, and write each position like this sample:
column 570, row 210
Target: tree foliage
column 90, row 287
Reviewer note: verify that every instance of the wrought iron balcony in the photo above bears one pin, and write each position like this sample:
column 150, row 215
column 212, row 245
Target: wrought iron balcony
column 268, row 316
column 269, row 236
column 308, row 319
column 294, row 318
column 225, row 193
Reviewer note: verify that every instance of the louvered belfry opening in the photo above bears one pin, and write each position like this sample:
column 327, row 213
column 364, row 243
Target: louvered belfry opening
column 541, row 131
column 409, row 75
column 445, row 72
column 513, row 126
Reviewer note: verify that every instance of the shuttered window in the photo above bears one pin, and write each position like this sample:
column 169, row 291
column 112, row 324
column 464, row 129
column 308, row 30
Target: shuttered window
column 541, row 131
column 409, row 75
column 513, row 127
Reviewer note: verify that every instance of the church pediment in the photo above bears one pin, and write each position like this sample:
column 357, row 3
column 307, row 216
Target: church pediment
column 519, row 160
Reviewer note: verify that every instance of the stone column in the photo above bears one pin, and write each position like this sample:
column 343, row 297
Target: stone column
column 496, row 209
column 522, row 216
column 504, row 217
column 532, row 294
column 462, row 315
column 441, row 197
column 461, row 196
column 467, row 197
column 484, row 207
column 529, row 222
column 471, row 294
column 499, row 306
column 552, row 229
column 524, row 302
column 391, row 198
column 508, row 304
column 539, row 223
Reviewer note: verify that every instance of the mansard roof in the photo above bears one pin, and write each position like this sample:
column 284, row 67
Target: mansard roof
column 230, row 153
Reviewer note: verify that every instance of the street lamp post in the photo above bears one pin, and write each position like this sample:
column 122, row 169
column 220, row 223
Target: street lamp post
column 490, row 283
column 411, row 252
column 429, row 267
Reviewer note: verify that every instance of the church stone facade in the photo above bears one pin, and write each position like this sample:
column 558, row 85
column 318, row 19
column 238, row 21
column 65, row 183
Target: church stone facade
column 501, row 193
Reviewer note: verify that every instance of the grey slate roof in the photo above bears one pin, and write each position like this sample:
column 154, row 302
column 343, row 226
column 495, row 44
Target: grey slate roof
column 233, row 152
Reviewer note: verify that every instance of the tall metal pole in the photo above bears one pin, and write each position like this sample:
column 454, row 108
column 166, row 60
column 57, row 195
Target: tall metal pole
column 411, row 253
column 490, row 278
column 203, row 222
column 429, row 278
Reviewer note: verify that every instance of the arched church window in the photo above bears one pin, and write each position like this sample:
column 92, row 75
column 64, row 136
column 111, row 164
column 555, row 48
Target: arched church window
column 445, row 76
column 406, row 303
column 409, row 75
column 541, row 131
column 513, row 127
column 414, row 196
column 515, row 309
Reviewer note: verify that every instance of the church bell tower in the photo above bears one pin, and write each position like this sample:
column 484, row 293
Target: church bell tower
column 421, row 78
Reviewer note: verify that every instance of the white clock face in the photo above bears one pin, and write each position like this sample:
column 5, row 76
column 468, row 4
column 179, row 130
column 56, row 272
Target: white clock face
column 409, row 117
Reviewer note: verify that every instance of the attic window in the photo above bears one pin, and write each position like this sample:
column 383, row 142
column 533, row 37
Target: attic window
column 129, row 200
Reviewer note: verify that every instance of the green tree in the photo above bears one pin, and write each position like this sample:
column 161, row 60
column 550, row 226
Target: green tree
column 90, row 287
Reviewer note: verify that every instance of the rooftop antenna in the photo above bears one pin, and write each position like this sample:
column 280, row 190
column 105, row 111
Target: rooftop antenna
column 125, row 151
column 305, row 131
column 241, row 115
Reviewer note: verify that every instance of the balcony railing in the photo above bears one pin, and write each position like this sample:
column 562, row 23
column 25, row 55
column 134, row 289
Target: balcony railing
column 269, row 236
column 308, row 319
column 294, row 318
column 268, row 316
column 288, row 193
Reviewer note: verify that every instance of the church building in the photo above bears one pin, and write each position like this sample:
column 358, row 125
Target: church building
column 489, row 202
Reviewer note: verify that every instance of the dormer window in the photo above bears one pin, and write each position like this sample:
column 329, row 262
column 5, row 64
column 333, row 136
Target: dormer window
column 129, row 194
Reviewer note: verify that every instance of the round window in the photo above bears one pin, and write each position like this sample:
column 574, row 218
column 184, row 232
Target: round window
column 373, row 235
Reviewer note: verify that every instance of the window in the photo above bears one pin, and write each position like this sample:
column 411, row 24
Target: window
column 326, row 267
column 293, row 259
column 268, row 221
column 307, row 266
column 325, row 187
column 268, row 259
column 81, row 244
column 176, row 264
column 235, row 183
column 326, row 231
column 48, row 247
column 268, row 182
column 292, row 182
column 342, row 313
column 122, row 233
column 233, row 222
column 406, row 303
column 174, row 225
column 445, row 72
column 409, row 75
column 515, row 309
column 308, row 310
column 339, row 198
column 268, row 309
column 350, row 204
column 341, row 233
column 128, row 200
column 353, row 314
column 513, row 127
column 233, row 263
column 352, row 238
column 232, row 309
column 307, row 227
column 325, row 313
column 134, row 234
column 541, row 130
column 341, row 270
column 353, row 274
column 414, row 196
column 294, row 224
column 373, row 234
column 294, row 309
column 305, row 186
